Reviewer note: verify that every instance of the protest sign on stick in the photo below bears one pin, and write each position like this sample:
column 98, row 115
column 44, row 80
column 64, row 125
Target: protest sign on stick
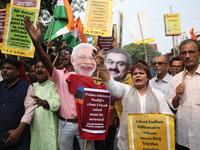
column 106, row 43
column 98, row 20
column 94, row 106
column 16, row 40
column 141, row 30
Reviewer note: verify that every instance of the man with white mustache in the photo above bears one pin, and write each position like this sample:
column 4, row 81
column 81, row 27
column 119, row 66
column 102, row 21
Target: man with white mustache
column 162, row 79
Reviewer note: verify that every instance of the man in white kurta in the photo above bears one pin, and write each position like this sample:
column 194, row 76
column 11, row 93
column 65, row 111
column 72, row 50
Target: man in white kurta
column 44, row 126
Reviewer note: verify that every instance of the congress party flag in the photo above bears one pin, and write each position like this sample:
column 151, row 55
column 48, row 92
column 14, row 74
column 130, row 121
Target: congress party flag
column 140, row 29
column 62, row 21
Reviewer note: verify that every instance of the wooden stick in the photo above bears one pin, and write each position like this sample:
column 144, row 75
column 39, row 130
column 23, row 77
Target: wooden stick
column 50, row 34
column 57, row 54
column 98, row 73
column 97, row 79
column 55, row 60
column 63, row 44
column 47, row 52
column 85, row 144
column 183, row 75
column 145, row 51
column 51, row 30
column 120, row 29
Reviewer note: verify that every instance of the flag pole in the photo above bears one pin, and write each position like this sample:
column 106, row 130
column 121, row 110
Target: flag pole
column 50, row 34
column 173, row 44
column 119, row 24
column 145, row 51
column 55, row 60
column 120, row 27
column 57, row 54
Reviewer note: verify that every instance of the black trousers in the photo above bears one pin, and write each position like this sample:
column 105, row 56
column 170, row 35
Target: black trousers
column 180, row 147
column 110, row 139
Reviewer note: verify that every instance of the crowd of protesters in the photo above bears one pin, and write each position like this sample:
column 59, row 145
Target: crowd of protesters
column 43, row 115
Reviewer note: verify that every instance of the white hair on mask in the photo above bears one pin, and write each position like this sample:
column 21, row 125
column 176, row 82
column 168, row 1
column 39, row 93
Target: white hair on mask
column 80, row 46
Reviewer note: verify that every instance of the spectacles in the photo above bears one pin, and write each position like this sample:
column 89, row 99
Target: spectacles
column 159, row 63
column 65, row 53
column 192, row 52
column 176, row 66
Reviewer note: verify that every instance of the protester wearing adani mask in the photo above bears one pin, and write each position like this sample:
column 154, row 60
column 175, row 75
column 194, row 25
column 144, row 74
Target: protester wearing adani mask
column 82, row 59
column 118, row 62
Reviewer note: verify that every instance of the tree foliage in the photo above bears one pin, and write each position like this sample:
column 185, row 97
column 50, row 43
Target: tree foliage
column 47, row 8
column 49, row 5
column 137, row 52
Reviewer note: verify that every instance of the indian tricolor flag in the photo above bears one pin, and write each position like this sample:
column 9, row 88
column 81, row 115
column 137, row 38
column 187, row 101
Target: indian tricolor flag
column 76, row 36
column 62, row 21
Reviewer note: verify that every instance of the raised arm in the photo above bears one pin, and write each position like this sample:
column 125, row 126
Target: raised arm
column 102, row 70
column 35, row 35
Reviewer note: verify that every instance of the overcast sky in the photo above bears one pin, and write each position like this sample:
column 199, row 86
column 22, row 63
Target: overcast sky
column 188, row 9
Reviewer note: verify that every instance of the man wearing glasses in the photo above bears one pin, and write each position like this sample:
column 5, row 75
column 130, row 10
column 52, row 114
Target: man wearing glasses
column 184, row 97
column 162, row 79
column 176, row 65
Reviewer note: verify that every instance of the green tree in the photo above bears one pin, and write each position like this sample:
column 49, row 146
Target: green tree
column 137, row 52
column 49, row 5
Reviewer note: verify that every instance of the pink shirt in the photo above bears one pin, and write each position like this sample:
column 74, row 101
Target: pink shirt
column 29, row 107
column 28, row 104
column 67, row 101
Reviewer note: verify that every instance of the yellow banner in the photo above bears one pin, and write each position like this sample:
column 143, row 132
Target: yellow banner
column 2, row 24
column 16, row 40
column 98, row 20
column 151, row 132
column 172, row 24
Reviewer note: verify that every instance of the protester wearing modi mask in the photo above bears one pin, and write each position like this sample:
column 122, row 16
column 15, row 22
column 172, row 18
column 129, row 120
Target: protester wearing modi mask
column 82, row 59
